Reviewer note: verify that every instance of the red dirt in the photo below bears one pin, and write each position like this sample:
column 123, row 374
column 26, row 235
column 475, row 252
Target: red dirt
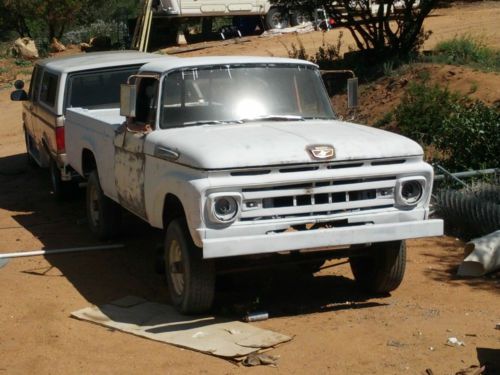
column 336, row 328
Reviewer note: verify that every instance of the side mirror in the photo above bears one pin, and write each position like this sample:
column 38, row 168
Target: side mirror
column 18, row 96
column 128, row 95
column 352, row 93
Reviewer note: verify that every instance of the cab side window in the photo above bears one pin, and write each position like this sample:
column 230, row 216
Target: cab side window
column 146, row 101
column 48, row 89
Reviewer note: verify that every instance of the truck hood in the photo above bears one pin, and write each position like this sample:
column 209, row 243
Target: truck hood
column 259, row 144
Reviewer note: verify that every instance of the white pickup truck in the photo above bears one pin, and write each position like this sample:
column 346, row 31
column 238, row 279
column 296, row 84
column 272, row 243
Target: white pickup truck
column 244, row 156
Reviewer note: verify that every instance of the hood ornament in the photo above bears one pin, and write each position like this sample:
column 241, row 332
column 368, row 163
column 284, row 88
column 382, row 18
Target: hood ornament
column 321, row 152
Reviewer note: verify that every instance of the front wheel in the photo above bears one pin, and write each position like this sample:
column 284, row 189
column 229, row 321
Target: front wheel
column 190, row 278
column 103, row 214
column 383, row 269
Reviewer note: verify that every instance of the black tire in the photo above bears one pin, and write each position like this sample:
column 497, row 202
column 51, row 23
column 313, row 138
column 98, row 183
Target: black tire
column 190, row 278
column 310, row 268
column 62, row 190
column 27, row 140
column 246, row 24
column 277, row 18
column 381, row 271
column 103, row 214
column 300, row 17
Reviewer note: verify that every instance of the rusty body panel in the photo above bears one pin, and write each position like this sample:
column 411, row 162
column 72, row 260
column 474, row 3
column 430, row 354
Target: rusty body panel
column 130, row 163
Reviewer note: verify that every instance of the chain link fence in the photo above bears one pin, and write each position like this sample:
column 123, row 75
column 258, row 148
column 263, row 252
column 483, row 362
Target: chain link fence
column 469, row 212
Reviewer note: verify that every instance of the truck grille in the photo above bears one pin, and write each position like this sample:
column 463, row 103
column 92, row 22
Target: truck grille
column 317, row 198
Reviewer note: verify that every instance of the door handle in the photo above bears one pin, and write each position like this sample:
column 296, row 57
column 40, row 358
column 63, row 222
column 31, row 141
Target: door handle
column 166, row 153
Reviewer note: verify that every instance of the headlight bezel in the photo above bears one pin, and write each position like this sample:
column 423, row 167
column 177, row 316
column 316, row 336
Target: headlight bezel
column 418, row 181
column 218, row 218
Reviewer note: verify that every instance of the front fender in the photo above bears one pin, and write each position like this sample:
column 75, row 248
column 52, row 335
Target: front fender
column 187, row 184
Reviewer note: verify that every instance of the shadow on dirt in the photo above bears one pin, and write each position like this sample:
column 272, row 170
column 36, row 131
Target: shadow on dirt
column 104, row 276
column 489, row 358
column 284, row 292
column 443, row 267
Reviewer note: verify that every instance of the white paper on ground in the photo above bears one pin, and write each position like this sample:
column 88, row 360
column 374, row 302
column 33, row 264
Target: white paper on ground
column 482, row 256
column 220, row 337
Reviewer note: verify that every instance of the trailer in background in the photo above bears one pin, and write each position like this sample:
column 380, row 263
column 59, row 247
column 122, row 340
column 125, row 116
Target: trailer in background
column 275, row 17
column 246, row 17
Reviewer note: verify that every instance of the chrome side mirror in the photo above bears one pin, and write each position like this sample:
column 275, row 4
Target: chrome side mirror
column 128, row 96
column 352, row 93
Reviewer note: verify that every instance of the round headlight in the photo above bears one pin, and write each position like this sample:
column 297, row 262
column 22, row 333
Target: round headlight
column 225, row 208
column 411, row 191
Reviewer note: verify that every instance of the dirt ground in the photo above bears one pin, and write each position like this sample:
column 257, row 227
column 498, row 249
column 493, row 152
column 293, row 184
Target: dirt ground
column 336, row 328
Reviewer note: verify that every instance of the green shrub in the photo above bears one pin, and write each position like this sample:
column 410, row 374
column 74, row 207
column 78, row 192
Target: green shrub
column 422, row 111
column 384, row 120
column 463, row 134
column 466, row 50
column 328, row 53
column 470, row 136
column 296, row 52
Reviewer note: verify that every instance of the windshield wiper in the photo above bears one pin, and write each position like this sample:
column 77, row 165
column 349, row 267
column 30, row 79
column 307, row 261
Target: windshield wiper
column 319, row 118
column 274, row 118
column 209, row 122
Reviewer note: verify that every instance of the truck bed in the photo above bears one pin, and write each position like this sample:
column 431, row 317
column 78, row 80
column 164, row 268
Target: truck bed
column 93, row 130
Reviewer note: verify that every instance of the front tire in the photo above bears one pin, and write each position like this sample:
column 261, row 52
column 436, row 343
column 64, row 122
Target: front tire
column 382, row 270
column 103, row 214
column 190, row 278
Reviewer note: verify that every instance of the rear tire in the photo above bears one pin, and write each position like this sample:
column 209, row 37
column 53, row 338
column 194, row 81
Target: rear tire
column 27, row 140
column 103, row 214
column 381, row 271
column 190, row 278
column 277, row 18
column 300, row 17
column 62, row 189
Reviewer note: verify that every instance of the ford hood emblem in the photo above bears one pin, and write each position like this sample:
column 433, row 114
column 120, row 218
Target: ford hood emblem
column 321, row 152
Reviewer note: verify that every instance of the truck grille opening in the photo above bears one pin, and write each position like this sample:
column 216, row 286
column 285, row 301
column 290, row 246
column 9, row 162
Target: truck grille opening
column 317, row 198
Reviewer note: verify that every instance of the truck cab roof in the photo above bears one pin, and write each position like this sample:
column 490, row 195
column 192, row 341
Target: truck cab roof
column 166, row 64
column 98, row 60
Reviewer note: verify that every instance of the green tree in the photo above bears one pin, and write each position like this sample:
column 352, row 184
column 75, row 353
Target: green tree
column 50, row 17
column 391, row 27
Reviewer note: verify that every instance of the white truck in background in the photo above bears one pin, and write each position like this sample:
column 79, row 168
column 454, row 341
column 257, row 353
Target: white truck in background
column 275, row 17
column 89, row 80
column 243, row 157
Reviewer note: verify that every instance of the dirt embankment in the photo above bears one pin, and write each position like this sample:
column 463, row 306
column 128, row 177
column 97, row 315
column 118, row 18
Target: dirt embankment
column 381, row 96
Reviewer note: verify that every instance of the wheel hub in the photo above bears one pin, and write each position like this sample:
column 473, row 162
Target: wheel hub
column 94, row 206
column 176, row 267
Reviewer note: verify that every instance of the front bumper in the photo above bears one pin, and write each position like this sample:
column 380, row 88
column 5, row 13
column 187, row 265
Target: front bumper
column 319, row 238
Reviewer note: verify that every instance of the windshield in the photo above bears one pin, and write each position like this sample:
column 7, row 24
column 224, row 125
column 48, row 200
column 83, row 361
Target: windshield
column 223, row 94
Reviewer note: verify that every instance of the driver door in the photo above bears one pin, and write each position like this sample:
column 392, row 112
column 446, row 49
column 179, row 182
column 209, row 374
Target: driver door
column 130, row 161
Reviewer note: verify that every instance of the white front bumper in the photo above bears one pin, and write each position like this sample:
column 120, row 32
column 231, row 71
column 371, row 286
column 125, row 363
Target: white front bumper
column 319, row 238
